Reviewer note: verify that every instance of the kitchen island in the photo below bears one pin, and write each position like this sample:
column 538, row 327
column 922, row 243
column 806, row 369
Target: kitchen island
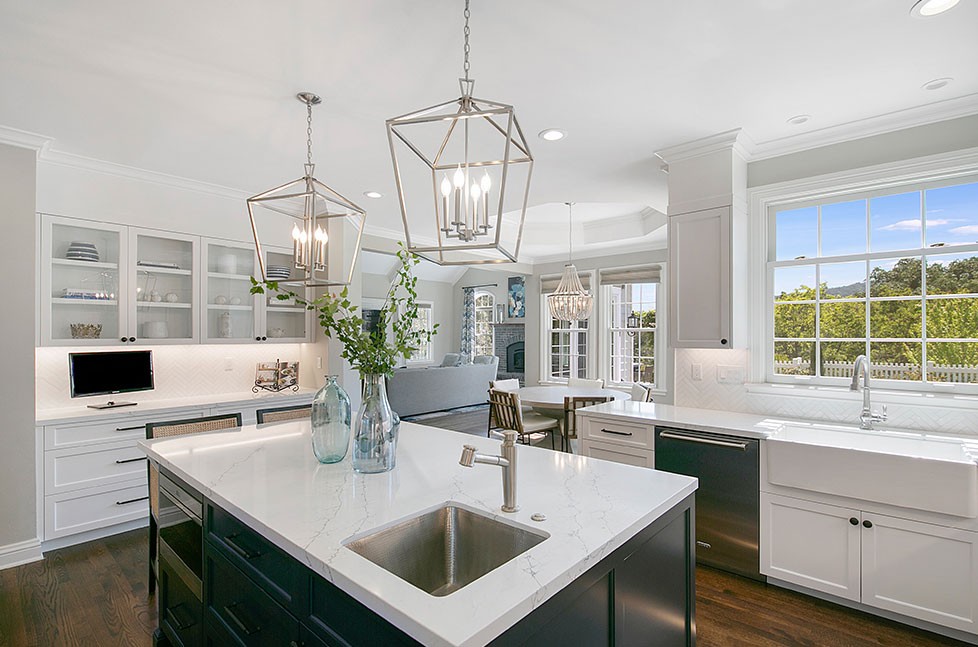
column 616, row 564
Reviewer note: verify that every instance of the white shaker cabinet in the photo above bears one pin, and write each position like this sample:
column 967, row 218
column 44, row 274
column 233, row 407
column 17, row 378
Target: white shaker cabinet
column 700, row 279
column 917, row 569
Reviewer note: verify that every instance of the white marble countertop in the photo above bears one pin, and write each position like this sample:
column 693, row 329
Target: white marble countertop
column 748, row 425
column 269, row 478
column 82, row 413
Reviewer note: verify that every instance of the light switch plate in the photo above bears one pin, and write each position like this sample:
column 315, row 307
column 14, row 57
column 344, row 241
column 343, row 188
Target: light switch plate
column 730, row 374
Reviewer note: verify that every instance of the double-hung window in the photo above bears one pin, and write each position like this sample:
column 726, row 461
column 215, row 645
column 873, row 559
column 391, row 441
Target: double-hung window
column 425, row 321
column 567, row 345
column 485, row 304
column 893, row 276
column 631, row 298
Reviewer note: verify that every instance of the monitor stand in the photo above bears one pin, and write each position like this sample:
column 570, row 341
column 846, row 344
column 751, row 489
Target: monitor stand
column 111, row 405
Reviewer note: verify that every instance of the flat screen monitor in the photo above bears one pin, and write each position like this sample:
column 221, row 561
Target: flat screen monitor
column 106, row 373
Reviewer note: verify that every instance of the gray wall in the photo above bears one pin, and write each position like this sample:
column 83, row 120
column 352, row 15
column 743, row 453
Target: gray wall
column 17, row 330
column 931, row 139
column 375, row 286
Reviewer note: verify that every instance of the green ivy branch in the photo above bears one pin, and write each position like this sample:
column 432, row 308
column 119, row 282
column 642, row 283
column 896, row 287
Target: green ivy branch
column 368, row 351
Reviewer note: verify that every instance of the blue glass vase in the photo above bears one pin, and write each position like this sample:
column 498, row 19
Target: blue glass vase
column 377, row 426
column 331, row 422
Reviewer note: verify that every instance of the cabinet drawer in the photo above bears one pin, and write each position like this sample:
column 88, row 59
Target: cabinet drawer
column 242, row 609
column 180, row 611
column 73, row 512
column 75, row 468
column 282, row 577
column 104, row 431
column 619, row 433
column 337, row 619
column 619, row 453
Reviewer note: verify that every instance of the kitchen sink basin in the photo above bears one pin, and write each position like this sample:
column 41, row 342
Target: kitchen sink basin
column 445, row 549
column 906, row 469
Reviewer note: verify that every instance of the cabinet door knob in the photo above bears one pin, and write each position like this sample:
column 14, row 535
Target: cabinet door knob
column 132, row 339
column 123, row 339
column 723, row 341
column 867, row 524
column 264, row 338
column 257, row 338
column 854, row 521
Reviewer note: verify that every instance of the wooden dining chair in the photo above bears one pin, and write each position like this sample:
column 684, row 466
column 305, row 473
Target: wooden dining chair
column 510, row 385
column 281, row 414
column 168, row 429
column 580, row 381
column 571, row 404
column 506, row 413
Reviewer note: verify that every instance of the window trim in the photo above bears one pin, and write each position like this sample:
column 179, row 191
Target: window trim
column 660, row 339
column 431, row 345
column 921, row 173
column 592, row 353
column 492, row 316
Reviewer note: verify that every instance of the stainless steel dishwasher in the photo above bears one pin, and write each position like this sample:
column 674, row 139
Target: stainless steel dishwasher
column 727, row 500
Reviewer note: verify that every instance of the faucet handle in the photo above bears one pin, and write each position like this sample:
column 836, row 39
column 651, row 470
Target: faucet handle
column 509, row 437
column 882, row 413
column 468, row 456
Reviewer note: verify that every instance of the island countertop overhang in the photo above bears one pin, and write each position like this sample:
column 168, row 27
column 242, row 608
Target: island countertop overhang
column 269, row 478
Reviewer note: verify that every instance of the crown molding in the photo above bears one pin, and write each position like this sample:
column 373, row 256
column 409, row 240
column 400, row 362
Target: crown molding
column 24, row 139
column 878, row 125
column 736, row 140
column 72, row 160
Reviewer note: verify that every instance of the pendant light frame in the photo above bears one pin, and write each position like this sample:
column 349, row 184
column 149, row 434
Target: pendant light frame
column 463, row 236
column 310, row 206
column 570, row 301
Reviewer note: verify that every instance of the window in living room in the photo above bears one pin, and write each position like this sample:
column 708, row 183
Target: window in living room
column 485, row 306
column 424, row 321
column 632, row 332
column 891, row 275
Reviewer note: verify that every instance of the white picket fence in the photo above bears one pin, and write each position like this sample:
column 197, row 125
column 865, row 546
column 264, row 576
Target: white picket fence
column 954, row 373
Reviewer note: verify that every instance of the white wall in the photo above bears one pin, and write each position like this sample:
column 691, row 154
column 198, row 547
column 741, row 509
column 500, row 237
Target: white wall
column 375, row 286
column 18, row 529
column 938, row 414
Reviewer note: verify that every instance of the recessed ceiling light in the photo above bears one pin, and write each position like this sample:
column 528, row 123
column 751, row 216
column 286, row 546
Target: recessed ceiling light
column 928, row 8
column 373, row 194
column 552, row 134
column 798, row 120
column 936, row 84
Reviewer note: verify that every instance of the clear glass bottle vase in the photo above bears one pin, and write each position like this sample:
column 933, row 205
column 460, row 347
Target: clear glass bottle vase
column 376, row 433
column 331, row 422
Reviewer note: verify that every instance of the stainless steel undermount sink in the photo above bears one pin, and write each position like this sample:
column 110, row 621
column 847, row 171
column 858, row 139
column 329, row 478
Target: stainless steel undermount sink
column 445, row 549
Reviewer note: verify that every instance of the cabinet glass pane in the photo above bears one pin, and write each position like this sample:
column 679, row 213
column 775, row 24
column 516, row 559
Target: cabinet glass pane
column 227, row 295
column 84, row 298
column 164, row 288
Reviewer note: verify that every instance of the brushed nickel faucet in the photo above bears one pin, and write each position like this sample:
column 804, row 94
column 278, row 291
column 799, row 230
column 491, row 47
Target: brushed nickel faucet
column 867, row 417
column 507, row 461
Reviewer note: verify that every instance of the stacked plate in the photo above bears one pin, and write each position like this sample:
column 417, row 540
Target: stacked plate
column 277, row 272
column 82, row 251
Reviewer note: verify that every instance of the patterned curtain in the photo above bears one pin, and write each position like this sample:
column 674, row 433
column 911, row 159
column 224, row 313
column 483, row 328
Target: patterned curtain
column 468, row 324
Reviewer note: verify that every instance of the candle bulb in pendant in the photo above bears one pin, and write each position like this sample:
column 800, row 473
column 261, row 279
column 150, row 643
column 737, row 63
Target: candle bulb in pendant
column 475, row 193
column 446, row 190
column 303, row 249
column 486, row 185
column 321, row 239
column 296, row 253
column 459, row 181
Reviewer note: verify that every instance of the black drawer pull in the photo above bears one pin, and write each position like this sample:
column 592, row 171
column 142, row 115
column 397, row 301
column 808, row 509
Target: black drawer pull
column 617, row 433
column 239, row 549
column 130, row 428
column 241, row 625
column 186, row 623
column 142, row 498
column 854, row 521
column 867, row 524
column 132, row 460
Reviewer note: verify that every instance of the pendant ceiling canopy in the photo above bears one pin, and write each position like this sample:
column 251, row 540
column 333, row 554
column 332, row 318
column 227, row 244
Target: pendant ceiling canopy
column 294, row 223
column 462, row 170
column 570, row 301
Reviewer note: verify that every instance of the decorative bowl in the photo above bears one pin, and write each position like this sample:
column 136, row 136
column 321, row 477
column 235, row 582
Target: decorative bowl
column 85, row 330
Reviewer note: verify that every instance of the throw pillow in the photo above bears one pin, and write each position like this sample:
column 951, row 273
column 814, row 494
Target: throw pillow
column 451, row 359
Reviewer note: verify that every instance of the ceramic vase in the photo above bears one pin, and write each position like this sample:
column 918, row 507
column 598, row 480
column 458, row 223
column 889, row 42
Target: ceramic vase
column 331, row 422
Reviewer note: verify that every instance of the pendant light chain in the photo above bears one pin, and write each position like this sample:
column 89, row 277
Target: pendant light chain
column 570, row 232
column 309, row 132
column 465, row 65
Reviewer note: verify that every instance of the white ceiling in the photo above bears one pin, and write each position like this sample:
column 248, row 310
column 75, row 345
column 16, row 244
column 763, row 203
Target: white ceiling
column 204, row 90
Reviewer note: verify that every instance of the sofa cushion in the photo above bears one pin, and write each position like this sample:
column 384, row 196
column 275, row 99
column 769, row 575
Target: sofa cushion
column 451, row 359
column 483, row 359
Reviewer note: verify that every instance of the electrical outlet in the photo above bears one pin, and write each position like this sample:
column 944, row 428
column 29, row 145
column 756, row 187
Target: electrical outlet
column 697, row 372
column 228, row 364
column 730, row 374
column 319, row 362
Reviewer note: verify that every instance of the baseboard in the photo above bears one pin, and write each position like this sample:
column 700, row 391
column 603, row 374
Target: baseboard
column 98, row 533
column 22, row 552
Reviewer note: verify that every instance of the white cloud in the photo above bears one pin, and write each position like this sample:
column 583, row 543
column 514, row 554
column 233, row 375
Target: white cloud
column 967, row 230
column 903, row 225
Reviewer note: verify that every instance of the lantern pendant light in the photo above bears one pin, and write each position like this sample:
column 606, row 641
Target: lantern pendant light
column 459, row 166
column 299, row 214
column 570, row 301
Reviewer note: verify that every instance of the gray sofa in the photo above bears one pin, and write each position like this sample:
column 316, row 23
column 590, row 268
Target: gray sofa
column 412, row 391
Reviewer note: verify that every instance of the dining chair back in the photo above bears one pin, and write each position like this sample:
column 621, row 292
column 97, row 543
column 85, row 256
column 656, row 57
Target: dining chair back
column 581, row 382
column 641, row 393
column 506, row 413
column 168, row 429
column 281, row 414
column 571, row 404
column 505, row 385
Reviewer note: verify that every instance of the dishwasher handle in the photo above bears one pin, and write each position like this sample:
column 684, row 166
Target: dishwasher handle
column 703, row 440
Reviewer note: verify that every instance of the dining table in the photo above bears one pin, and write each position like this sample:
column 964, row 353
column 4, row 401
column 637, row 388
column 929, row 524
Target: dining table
column 549, row 400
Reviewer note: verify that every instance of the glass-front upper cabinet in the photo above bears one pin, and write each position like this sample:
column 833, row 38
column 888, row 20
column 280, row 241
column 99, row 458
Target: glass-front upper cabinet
column 83, row 282
column 229, row 312
column 163, row 287
column 279, row 320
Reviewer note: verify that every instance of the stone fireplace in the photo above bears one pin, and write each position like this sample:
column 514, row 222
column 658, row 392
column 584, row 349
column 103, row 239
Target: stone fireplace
column 509, row 348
